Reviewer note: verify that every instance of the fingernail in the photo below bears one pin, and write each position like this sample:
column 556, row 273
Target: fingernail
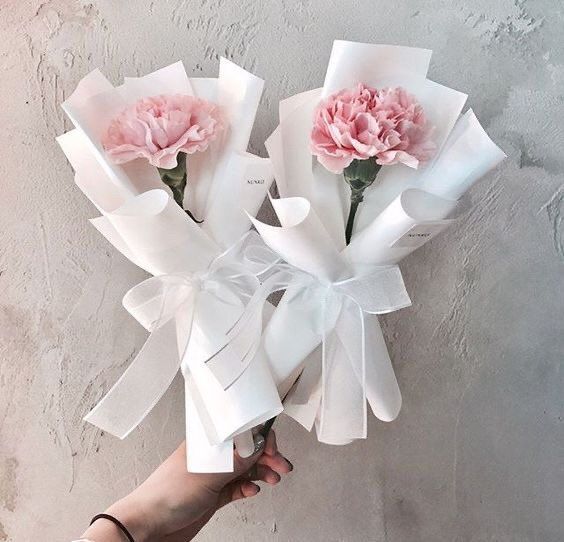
column 259, row 443
column 274, row 478
column 244, row 444
column 290, row 466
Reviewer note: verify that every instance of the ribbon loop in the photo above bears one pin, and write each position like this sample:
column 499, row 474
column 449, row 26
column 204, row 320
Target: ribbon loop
column 379, row 292
column 156, row 300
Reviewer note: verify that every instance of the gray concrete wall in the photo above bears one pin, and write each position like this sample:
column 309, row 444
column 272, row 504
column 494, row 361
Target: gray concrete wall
column 477, row 452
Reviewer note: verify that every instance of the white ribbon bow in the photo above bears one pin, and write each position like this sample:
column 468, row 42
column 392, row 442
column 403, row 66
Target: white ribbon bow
column 332, row 387
column 331, row 390
column 168, row 306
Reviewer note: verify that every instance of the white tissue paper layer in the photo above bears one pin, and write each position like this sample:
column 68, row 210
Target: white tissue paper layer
column 198, row 291
column 344, row 362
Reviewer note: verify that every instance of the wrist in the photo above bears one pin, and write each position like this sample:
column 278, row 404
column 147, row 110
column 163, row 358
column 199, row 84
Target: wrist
column 133, row 515
column 135, row 518
column 104, row 530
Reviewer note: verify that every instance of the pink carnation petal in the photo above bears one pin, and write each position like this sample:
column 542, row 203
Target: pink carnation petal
column 335, row 164
column 159, row 127
column 363, row 122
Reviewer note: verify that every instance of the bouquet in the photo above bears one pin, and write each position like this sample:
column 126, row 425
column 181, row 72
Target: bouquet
column 163, row 158
column 369, row 168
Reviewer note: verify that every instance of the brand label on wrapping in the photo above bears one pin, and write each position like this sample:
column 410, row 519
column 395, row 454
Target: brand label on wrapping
column 419, row 234
column 258, row 172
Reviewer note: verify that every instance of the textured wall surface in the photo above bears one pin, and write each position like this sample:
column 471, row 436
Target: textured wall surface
column 477, row 452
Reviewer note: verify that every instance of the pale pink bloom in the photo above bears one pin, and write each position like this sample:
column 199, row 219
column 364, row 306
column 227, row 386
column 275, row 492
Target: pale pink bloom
column 364, row 122
column 159, row 127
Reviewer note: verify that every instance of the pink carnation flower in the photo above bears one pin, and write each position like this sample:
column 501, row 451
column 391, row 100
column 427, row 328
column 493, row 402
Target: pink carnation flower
column 364, row 122
column 159, row 127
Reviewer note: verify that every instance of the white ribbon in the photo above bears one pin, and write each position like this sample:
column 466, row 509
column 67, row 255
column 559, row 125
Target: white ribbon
column 168, row 306
column 331, row 390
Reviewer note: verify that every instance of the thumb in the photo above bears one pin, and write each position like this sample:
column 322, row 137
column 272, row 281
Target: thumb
column 242, row 464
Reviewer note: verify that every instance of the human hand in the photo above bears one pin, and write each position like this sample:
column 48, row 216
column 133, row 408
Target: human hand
column 172, row 505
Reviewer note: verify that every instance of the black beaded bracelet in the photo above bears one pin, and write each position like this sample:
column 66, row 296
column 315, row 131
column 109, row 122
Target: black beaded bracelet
column 116, row 522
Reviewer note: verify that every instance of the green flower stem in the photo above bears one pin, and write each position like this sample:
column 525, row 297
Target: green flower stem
column 359, row 175
column 175, row 179
column 350, row 220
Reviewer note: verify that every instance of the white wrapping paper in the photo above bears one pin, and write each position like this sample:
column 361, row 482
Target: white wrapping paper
column 346, row 363
column 328, row 303
column 195, row 305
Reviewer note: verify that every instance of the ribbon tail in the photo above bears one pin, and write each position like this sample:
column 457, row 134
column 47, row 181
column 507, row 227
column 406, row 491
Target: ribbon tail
column 206, row 452
column 141, row 386
column 343, row 412
column 380, row 384
column 242, row 342
column 382, row 390
column 240, row 347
